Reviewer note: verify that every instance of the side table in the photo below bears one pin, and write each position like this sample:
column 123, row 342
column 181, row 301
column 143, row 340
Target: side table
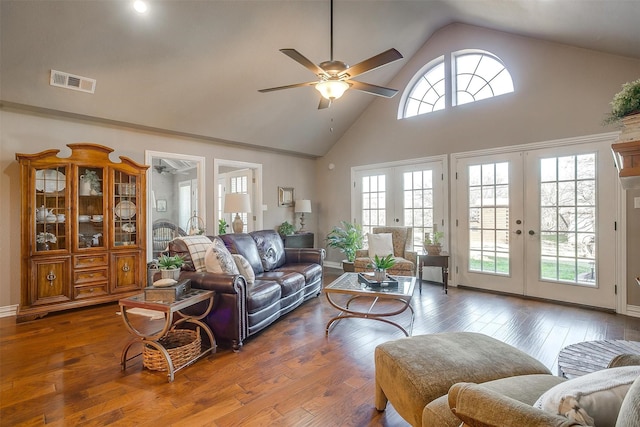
column 189, row 299
column 441, row 260
column 585, row 357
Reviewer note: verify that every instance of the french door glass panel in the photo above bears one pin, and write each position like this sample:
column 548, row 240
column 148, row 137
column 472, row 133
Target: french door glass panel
column 410, row 196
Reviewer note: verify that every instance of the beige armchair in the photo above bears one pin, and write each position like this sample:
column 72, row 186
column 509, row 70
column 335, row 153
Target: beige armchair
column 402, row 238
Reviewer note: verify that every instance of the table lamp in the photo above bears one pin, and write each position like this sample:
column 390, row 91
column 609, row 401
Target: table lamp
column 302, row 207
column 237, row 203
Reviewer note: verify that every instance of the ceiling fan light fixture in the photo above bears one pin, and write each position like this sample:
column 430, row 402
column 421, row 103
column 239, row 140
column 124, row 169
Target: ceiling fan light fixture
column 332, row 89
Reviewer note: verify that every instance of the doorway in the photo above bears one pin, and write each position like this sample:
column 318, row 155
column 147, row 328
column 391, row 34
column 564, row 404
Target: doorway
column 539, row 222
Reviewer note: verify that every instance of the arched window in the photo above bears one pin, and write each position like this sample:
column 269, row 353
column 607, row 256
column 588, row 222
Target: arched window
column 476, row 75
column 428, row 92
column 479, row 75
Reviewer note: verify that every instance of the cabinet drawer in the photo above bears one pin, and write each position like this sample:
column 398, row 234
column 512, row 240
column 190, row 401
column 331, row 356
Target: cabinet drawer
column 90, row 290
column 93, row 260
column 88, row 276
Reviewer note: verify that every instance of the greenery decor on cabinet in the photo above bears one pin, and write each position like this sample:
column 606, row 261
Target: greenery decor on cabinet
column 625, row 103
column 286, row 229
column 347, row 238
column 83, row 240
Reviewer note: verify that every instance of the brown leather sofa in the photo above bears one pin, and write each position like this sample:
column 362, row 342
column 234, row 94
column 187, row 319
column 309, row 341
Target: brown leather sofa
column 284, row 279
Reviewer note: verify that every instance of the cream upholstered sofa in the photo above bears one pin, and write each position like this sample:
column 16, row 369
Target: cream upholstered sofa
column 402, row 246
column 443, row 380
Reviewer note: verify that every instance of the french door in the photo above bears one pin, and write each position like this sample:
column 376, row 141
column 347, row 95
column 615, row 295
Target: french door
column 410, row 195
column 539, row 223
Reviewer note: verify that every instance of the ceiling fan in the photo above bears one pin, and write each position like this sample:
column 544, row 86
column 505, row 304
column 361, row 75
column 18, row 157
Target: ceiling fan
column 334, row 77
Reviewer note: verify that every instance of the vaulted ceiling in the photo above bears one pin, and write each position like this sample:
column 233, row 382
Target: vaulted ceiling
column 195, row 67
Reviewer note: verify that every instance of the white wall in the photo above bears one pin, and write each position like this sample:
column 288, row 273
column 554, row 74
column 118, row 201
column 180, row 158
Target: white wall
column 24, row 132
column 560, row 92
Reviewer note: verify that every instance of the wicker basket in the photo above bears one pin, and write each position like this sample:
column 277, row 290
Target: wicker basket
column 182, row 345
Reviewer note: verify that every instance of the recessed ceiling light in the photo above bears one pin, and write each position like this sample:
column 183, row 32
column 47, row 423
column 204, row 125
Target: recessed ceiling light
column 140, row 6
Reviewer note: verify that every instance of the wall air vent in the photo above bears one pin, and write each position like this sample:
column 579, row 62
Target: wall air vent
column 71, row 81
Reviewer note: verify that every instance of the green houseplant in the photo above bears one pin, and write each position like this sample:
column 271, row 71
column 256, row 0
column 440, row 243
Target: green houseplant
column 347, row 238
column 381, row 265
column 625, row 103
column 222, row 226
column 286, row 229
column 170, row 266
column 432, row 242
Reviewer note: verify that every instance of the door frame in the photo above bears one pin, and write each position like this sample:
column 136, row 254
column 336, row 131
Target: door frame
column 620, row 239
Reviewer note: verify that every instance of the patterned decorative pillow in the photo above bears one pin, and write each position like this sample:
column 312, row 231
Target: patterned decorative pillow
column 244, row 268
column 592, row 399
column 218, row 259
column 198, row 246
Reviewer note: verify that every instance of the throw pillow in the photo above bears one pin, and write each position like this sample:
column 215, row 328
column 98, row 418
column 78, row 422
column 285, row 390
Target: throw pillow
column 198, row 246
column 380, row 244
column 218, row 259
column 592, row 399
column 244, row 268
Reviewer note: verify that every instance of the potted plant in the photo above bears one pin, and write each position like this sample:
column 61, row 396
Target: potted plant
column 381, row 265
column 222, row 226
column 90, row 183
column 286, row 229
column 347, row 238
column 625, row 108
column 170, row 266
column 432, row 242
column 43, row 239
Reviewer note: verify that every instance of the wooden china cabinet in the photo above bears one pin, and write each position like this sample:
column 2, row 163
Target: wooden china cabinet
column 83, row 229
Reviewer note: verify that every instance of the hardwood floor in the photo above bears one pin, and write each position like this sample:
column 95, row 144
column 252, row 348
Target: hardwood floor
column 64, row 369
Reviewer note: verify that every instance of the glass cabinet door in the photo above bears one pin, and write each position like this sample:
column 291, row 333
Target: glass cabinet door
column 50, row 213
column 90, row 207
column 125, row 209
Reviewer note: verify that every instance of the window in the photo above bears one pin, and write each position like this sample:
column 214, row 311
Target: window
column 480, row 75
column 428, row 92
column 476, row 75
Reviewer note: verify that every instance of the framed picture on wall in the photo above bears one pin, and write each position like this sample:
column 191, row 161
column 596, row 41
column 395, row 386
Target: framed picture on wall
column 161, row 205
column 285, row 196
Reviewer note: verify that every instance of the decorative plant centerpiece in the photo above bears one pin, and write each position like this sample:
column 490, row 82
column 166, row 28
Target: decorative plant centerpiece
column 347, row 238
column 170, row 266
column 286, row 229
column 432, row 242
column 43, row 239
column 381, row 265
column 625, row 108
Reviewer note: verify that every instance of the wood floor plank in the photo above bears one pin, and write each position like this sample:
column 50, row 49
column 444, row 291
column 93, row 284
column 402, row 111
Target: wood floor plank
column 64, row 369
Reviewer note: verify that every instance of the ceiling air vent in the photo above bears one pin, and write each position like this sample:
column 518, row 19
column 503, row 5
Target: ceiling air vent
column 71, row 81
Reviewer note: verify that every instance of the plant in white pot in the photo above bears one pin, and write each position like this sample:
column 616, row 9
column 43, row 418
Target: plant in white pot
column 380, row 266
column 170, row 266
column 432, row 242
column 347, row 238
column 625, row 109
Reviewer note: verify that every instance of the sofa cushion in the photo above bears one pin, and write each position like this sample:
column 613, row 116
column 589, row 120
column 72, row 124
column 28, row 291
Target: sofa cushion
column 290, row 283
column 261, row 295
column 270, row 247
column 592, row 399
column 244, row 268
column 218, row 259
column 243, row 244
column 311, row 272
column 380, row 244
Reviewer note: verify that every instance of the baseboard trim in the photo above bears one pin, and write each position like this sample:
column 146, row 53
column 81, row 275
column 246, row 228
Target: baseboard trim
column 633, row 310
column 333, row 264
column 8, row 310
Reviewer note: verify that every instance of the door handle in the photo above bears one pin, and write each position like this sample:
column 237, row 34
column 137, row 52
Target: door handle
column 531, row 232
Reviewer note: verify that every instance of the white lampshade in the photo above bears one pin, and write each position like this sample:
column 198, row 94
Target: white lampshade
column 303, row 206
column 332, row 89
column 237, row 202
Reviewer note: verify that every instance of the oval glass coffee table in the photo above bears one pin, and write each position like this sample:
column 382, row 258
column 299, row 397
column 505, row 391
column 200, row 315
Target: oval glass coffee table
column 589, row 356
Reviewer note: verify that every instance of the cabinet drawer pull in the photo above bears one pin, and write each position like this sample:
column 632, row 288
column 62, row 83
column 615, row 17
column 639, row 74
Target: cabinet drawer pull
column 126, row 268
column 51, row 277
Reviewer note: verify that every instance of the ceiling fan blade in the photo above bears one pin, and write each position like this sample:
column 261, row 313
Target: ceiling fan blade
column 271, row 89
column 324, row 103
column 301, row 59
column 372, row 89
column 372, row 63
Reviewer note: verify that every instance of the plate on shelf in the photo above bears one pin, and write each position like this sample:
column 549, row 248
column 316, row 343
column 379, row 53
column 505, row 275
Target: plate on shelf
column 50, row 180
column 125, row 209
